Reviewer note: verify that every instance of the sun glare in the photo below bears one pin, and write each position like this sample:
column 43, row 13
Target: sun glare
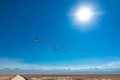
column 83, row 14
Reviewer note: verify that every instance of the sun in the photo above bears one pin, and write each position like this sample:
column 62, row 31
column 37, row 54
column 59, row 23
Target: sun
column 83, row 14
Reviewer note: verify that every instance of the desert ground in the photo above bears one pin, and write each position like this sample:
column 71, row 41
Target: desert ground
column 61, row 77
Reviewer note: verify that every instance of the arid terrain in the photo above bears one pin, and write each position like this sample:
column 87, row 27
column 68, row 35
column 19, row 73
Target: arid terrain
column 62, row 77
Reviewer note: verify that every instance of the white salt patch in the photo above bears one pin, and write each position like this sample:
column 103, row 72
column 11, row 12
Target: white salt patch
column 18, row 77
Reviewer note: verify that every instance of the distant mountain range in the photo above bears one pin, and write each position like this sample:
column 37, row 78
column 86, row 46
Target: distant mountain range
column 61, row 71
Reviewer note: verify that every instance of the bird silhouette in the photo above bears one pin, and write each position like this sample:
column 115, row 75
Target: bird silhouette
column 37, row 40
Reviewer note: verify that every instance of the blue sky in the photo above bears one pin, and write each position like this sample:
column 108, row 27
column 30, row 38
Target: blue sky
column 21, row 21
